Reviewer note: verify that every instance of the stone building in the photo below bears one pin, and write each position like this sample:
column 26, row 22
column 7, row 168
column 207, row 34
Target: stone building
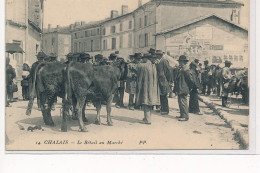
column 24, row 28
column 57, row 40
column 86, row 38
column 153, row 17
column 207, row 38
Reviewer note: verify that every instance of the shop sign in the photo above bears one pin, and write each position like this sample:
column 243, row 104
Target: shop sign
column 216, row 47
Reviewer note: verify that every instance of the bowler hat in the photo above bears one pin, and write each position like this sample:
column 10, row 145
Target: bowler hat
column 183, row 58
column 138, row 55
column 196, row 61
column 84, row 55
column 206, row 62
column 228, row 62
column 99, row 57
column 193, row 64
column 112, row 56
column 41, row 54
column 152, row 50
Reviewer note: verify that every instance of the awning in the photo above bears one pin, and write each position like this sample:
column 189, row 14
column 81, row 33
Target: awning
column 13, row 48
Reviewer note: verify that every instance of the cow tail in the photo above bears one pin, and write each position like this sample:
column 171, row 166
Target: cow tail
column 68, row 88
column 32, row 94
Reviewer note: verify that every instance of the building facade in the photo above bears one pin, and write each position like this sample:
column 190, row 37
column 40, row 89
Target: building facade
column 117, row 34
column 24, row 27
column 57, row 40
column 154, row 17
column 207, row 38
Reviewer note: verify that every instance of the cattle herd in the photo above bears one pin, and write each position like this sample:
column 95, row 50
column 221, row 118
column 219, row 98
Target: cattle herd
column 79, row 81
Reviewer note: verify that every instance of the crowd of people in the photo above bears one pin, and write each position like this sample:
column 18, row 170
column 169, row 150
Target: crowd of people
column 150, row 80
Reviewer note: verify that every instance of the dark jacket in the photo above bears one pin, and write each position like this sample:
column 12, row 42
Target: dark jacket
column 10, row 74
column 164, row 76
column 183, row 81
column 195, row 80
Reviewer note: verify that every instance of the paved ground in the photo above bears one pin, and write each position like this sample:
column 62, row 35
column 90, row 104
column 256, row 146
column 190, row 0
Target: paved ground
column 207, row 131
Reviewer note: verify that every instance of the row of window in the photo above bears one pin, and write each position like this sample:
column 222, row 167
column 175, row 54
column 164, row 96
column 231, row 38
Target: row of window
column 115, row 43
column 94, row 32
column 83, row 47
column 143, row 22
column 234, row 58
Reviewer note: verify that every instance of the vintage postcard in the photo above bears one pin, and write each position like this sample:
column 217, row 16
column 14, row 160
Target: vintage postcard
column 102, row 75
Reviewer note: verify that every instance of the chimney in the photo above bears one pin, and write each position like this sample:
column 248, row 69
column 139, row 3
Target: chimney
column 140, row 3
column 83, row 23
column 114, row 13
column 235, row 16
column 49, row 27
column 58, row 27
column 124, row 9
column 71, row 27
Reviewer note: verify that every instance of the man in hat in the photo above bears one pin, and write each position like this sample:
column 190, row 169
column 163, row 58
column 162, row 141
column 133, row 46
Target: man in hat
column 10, row 75
column 84, row 57
column 131, row 80
column 119, row 95
column 147, row 88
column 113, row 57
column 183, row 84
column 206, row 78
column 69, row 58
column 40, row 58
column 98, row 59
column 194, row 97
column 226, row 77
column 53, row 57
column 152, row 51
column 164, row 78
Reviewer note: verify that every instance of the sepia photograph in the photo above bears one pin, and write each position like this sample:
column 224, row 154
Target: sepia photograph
column 127, row 75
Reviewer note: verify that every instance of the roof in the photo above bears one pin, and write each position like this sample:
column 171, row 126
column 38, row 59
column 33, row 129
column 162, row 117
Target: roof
column 190, row 22
column 225, row 2
column 13, row 48
column 62, row 30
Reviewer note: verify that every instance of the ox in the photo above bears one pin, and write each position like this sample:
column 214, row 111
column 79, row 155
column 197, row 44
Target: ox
column 48, row 83
column 87, row 83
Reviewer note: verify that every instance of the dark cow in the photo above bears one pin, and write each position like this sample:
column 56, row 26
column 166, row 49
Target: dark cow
column 49, row 83
column 86, row 82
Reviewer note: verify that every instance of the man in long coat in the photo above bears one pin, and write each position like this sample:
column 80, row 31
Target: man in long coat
column 164, row 78
column 10, row 75
column 206, row 78
column 183, row 85
column 226, row 77
column 147, row 88
column 131, row 79
column 194, row 97
column 40, row 58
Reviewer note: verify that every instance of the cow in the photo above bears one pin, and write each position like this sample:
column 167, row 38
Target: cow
column 49, row 84
column 85, row 82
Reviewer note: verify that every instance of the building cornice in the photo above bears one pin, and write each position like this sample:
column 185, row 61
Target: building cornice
column 37, row 28
column 17, row 24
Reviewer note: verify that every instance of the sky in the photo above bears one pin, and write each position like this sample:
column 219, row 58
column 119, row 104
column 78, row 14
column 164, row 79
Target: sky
column 66, row 12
